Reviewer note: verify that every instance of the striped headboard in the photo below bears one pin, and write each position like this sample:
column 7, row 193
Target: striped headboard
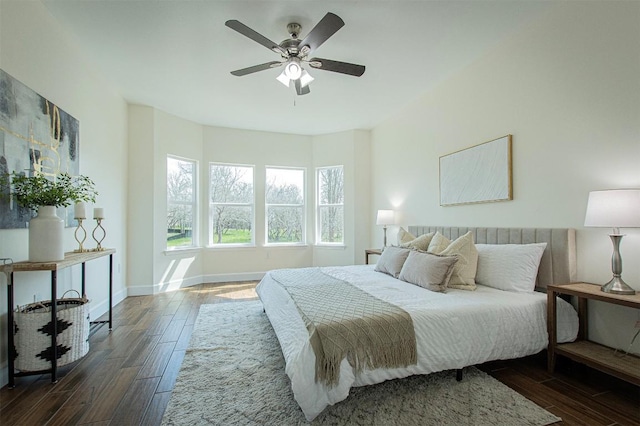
column 558, row 264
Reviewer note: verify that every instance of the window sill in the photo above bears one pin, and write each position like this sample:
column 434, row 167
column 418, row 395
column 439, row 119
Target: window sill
column 231, row 246
column 285, row 245
column 331, row 246
column 181, row 251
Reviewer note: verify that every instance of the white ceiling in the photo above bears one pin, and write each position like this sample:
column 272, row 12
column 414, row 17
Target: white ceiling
column 176, row 55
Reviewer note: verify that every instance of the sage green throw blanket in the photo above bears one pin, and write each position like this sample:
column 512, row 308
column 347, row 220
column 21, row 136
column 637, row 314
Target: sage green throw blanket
column 345, row 321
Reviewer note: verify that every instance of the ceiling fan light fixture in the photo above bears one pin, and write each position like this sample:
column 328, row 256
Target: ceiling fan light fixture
column 305, row 79
column 293, row 69
column 282, row 78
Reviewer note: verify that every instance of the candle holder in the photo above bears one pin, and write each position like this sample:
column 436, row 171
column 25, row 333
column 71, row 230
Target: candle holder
column 80, row 236
column 99, row 229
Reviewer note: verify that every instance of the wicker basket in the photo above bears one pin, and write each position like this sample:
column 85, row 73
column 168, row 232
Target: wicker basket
column 33, row 338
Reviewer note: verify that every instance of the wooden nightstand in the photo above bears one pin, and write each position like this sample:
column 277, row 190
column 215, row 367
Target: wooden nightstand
column 582, row 350
column 367, row 252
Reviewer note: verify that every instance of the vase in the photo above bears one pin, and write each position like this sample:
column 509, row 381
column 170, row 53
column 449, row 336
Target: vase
column 46, row 236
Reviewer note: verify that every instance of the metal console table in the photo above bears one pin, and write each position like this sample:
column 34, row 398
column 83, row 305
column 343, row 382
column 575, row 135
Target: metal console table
column 70, row 259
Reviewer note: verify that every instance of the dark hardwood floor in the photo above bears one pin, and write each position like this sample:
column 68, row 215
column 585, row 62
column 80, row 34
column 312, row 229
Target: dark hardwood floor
column 129, row 373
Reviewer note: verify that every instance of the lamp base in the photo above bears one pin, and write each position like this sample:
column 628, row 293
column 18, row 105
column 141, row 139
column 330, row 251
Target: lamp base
column 617, row 286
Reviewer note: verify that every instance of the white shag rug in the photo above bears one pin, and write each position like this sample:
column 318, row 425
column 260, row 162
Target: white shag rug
column 233, row 374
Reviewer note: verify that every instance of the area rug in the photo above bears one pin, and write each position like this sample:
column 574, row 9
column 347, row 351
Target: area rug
column 233, row 374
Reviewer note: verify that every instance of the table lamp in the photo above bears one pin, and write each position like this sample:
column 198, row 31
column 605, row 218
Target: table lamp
column 385, row 217
column 616, row 208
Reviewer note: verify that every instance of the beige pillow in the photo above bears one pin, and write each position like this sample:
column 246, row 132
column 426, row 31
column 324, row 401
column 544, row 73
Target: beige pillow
column 464, row 271
column 408, row 240
column 391, row 260
column 404, row 236
column 428, row 270
column 420, row 243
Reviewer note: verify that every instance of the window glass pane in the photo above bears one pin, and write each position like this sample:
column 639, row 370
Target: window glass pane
column 179, row 225
column 231, row 224
column 331, row 185
column 284, row 224
column 231, row 184
column 180, row 175
column 181, row 202
column 331, row 224
column 285, row 186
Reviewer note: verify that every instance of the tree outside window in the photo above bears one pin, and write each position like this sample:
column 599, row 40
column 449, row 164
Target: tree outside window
column 231, row 204
column 330, row 213
column 181, row 202
column 285, row 205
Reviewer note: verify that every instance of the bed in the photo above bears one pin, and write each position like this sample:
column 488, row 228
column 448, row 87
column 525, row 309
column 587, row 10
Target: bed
column 453, row 329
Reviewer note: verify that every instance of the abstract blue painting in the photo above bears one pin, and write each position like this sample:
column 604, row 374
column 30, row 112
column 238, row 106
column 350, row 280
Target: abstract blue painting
column 36, row 136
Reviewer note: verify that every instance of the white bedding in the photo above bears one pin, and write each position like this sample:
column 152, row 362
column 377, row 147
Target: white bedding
column 453, row 330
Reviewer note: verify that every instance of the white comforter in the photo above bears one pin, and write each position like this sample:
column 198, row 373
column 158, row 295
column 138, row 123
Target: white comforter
column 453, row 330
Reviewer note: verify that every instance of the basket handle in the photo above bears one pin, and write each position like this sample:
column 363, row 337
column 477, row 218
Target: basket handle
column 75, row 291
column 84, row 298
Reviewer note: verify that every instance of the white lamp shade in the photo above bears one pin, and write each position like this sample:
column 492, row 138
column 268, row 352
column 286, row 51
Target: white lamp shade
column 292, row 69
column 282, row 78
column 305, row 79
column 385, row 217
column 616, row 208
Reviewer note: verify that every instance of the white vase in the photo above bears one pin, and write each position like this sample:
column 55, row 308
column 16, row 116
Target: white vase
column 46, row 236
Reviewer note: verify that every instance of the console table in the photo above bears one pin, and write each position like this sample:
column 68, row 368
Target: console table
column 582, row 350
column 70, row 259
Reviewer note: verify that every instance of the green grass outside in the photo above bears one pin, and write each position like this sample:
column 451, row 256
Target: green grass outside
column 234, row 236
column 186, row 241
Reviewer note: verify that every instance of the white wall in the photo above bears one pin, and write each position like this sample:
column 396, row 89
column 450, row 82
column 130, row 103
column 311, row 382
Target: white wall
column 154, row 134
column 567, row 88
column 36, row 50
column 350, row 149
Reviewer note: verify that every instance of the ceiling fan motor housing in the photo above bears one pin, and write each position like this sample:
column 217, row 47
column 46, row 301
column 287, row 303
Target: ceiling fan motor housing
column 294, row 29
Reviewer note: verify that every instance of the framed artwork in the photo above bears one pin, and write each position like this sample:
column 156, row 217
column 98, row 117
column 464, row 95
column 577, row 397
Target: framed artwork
column 35, row 137
column 478, row 174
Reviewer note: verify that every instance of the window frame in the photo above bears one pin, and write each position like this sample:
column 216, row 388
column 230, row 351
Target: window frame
column 303, row 206
column 319, row 206
column 195, row 203
column 211, row 204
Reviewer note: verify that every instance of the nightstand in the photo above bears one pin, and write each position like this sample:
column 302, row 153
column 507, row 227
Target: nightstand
column 368, row 252
column 582, row 350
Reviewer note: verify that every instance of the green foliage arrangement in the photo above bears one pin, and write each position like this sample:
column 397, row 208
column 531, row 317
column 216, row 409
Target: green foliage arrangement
column 35, row 191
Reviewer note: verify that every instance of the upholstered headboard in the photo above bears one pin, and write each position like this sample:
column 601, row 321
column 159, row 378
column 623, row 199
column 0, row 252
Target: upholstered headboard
column 558, row 264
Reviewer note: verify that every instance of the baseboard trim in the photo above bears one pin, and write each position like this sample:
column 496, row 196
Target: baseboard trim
column 164, row 287
column 242, row 276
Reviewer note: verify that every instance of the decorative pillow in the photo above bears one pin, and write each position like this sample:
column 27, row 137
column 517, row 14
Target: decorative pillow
column 510, row 267
column 404, row 236
column 391, row 260
column 427, row 270
column 464, row 271
column 420, row 243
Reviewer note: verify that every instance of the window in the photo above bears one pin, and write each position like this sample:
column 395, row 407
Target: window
column 330, row 213
column 182, row 204
column 285, row 205
column 231, row 202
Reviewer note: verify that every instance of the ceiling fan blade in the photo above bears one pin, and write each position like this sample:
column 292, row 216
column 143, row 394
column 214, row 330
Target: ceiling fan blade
column 301, row 90
column 256, row 68
column 322, row 31
column 337, row 66
column 255, row 36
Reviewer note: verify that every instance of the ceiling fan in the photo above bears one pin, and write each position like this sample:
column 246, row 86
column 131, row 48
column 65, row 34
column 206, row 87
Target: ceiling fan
column 295, row 52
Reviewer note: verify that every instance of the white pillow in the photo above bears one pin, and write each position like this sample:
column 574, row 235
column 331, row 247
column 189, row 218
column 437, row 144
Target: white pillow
column 510, row 267
column 391, row 260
